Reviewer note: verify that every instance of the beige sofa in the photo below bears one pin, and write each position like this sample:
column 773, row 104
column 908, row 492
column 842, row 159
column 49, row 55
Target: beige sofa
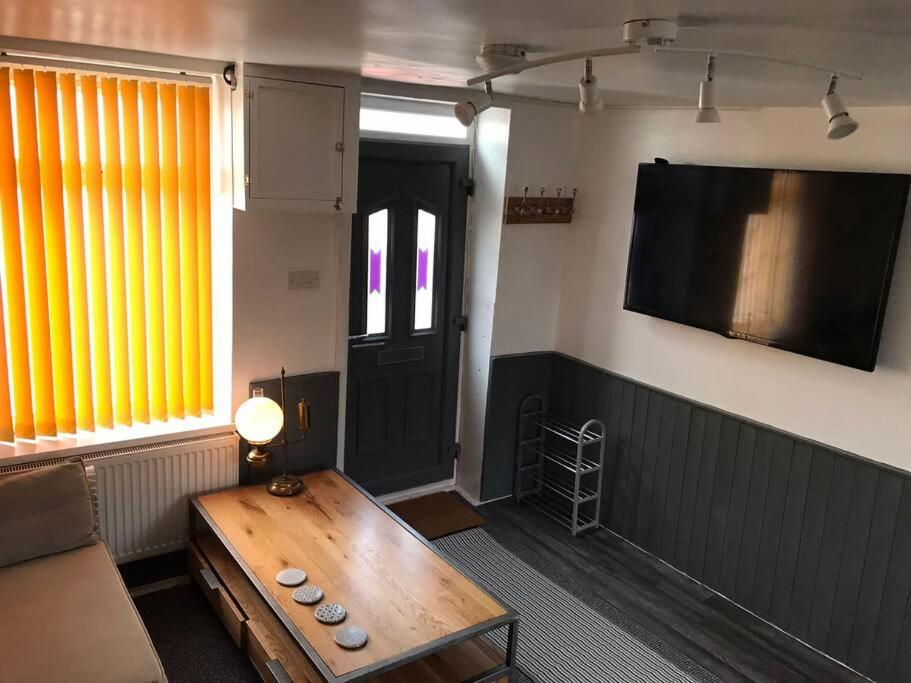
column 66, row 615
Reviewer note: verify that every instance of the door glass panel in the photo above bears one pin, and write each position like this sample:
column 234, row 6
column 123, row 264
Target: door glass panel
column 377, row 254
column 424, row 254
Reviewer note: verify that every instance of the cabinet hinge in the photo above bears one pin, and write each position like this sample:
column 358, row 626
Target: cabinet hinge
column 454, row 450
column 461, row 322
column 468, row 185
column 249, row 94
column 338, row 203
column 247, row 180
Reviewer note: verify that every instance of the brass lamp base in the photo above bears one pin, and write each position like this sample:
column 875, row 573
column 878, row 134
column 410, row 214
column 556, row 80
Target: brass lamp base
column 285, row 485
column 259, row 456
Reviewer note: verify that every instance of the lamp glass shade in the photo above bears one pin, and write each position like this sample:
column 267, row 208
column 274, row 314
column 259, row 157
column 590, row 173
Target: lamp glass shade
column 258, row 420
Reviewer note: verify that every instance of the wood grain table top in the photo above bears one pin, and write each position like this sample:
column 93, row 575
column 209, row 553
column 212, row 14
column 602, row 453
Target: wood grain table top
column 403, row 593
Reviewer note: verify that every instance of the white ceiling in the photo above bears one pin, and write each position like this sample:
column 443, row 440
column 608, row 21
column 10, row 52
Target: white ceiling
column 434, row 41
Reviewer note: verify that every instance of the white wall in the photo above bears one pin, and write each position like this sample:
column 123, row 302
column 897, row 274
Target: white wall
column 275, row 326
column 865, row 413
column 481, row 263
column 542, row 145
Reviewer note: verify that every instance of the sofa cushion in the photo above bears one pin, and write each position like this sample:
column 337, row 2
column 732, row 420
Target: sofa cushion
column 43, row 511
column 69, row 618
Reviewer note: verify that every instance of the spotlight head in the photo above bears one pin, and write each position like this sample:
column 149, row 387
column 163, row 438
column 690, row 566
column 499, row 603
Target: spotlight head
column 707, row 111
column 466, row 111
column 590, row 101
column 841, row 125
column 840, row 122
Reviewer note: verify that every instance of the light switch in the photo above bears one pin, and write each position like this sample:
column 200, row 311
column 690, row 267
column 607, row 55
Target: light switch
column 303, row 279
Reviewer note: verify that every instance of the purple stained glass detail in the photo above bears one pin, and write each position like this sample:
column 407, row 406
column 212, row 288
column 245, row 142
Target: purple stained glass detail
column 422, row 269
column 376, row 271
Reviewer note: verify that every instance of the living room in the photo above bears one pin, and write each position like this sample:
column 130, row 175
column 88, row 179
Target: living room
column 491, row 342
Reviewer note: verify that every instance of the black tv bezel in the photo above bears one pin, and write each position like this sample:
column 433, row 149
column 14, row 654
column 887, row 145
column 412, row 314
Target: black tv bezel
column 870, row 360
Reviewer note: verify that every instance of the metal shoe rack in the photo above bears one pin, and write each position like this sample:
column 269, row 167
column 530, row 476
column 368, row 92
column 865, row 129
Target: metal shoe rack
column 559, row 465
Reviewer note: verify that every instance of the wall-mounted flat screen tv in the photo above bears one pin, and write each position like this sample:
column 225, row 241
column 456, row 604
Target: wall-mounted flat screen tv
column 796, row 260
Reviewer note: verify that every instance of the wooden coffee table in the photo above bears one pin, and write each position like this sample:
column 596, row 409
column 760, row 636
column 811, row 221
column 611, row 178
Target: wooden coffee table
column 424, row 616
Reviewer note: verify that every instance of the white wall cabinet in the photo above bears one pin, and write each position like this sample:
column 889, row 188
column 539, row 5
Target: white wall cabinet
column 295, row 137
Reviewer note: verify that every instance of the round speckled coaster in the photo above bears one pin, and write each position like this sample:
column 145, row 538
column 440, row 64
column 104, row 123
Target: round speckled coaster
column 292, row 576
column 330, row 613
column 351, row 637
column 307, row 595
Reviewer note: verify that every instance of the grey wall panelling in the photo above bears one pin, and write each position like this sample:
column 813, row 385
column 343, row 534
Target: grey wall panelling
column 813, row 539
column 318, row 450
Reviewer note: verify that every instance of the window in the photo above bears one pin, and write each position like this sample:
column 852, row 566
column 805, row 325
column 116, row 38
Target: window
column 399, row 118
column 424, row 259
column 377, row 256
column 105, row 272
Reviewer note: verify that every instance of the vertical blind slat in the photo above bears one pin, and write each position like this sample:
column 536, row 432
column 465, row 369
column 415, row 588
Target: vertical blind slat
column 55, row 251
column 13, row 276
column 170, row 190
column 189, row 284
column 105, row 272
column 204, row 248
column 132, row 176
column 6, row 412
column 151, row 186
column 113, row 195
column 75, row 240
column 101, row 357
column 35, row 267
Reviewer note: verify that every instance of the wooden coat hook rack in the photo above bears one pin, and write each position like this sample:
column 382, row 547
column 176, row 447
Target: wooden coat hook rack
column 540, row 209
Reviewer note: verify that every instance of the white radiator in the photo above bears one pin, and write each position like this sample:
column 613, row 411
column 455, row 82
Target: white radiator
column 143, row 490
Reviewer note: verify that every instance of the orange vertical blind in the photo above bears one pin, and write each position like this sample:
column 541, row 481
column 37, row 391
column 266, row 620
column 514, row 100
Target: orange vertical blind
column 75, row 240
column 55, row 251
column 189, row 284
column 151, row 188
column 105, row 276
column 39, row 332
column 132, row 177
column 113, row 215
column 98, row 287
column 204, row 247
column 170, row 189
column 13, row 280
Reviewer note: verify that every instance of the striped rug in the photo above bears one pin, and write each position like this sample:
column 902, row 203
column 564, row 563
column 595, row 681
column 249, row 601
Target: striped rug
column 561, row 639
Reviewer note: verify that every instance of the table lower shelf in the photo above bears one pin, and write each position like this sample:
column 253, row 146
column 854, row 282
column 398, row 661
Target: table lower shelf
column 259, row 633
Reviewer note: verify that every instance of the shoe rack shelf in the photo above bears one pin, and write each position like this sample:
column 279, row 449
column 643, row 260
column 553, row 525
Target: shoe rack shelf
column 559, row 465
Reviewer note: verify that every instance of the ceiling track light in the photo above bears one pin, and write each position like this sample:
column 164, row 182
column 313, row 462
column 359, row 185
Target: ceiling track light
column 590, row 101
column 707, row 112
column 467, row 110
column 841, row 124
column 660, row 34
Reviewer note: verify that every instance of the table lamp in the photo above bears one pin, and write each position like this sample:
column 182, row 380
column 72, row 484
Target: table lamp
column 259, row 420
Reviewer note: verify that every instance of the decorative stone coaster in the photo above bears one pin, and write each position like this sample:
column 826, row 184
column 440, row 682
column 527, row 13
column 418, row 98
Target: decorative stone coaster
column 330, row 613
column 307, row 595
column 291, row 576
column 351, row 637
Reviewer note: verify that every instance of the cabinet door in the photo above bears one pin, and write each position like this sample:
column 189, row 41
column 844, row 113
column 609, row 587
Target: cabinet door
column 296, row 140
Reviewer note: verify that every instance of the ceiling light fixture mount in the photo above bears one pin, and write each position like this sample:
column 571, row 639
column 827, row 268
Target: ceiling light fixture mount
column 495, row 56
column 652, row 32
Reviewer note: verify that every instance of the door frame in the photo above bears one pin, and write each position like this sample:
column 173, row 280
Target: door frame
column 459, row 158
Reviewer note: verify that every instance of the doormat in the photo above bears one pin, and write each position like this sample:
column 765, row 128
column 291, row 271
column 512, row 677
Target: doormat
column 438, row 514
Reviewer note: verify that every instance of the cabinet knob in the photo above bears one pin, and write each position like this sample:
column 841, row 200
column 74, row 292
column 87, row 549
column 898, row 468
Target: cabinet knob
column 339, row 146
column 338, row 203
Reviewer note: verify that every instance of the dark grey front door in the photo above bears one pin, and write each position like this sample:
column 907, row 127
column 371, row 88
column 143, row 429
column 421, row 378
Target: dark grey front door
column 407, row 259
